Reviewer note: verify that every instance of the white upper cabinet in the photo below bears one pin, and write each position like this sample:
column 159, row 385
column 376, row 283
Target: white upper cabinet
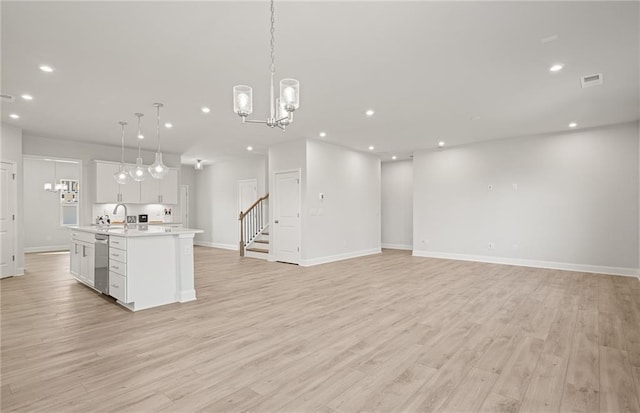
column 169, row 187
column 106, row 187
column 149, row 191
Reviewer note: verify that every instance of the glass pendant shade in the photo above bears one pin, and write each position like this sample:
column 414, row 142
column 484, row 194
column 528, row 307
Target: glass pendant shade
column 122, row 176
column 199, row 166
column 242, row 100
column 290, row 94
column 157, row 169
column 139, row 172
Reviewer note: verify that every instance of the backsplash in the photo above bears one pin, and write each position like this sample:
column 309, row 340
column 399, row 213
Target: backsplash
column 156, row 212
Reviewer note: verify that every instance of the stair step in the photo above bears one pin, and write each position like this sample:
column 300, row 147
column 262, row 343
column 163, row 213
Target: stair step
column 261, row 241
column 258, row 250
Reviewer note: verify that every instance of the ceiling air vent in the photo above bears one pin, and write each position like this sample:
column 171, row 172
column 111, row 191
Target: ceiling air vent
column 591, row 80
column 7, row 98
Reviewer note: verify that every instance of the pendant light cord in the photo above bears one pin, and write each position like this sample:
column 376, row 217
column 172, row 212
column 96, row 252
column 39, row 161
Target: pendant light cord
column 273, row 39
column 122, row 144
column 158, row 105
column 139, row 115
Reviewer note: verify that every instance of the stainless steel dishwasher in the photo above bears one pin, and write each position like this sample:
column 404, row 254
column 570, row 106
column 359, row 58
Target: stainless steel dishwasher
column 102, row 263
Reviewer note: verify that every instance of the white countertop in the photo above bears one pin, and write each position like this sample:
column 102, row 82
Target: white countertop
column 135, row 231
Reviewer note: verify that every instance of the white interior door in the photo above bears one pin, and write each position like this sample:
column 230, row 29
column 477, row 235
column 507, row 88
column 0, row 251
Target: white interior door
column 286, row 217
column 184, row 205
column 7, row 219
column 247, row 193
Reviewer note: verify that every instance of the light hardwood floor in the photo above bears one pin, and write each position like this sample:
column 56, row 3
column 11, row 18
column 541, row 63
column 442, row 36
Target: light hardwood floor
column 386, row 333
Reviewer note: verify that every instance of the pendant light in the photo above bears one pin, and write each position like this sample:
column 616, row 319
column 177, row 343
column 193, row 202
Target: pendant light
column 280, row 110
column 139, row 172
column 122, row 176
column 199, row 166
column 157, row 169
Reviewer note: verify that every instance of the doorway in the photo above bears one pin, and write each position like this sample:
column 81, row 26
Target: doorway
column 286, row 217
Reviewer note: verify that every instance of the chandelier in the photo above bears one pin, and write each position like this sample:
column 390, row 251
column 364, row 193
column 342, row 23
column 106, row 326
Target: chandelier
column 281, row 109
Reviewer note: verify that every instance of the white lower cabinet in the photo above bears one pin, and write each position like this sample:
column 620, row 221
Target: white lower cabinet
column 118, row 286
column 83, row 258
column 74, row 253
column 118, row 268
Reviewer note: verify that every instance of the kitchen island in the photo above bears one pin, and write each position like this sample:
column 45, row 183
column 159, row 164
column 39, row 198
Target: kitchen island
column 142, row 267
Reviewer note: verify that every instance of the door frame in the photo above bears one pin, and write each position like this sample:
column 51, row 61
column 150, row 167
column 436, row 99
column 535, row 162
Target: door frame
column 272, row 208
column 182, row 207
column 14, row 211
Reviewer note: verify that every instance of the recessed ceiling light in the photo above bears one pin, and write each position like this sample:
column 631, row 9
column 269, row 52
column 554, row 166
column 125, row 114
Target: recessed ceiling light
column 140, row 136
column 371, row 148
column 556, row 68
column 394, row 157
column 205, row 109
column 168, row 125
column 475, row 118
column 26, row 97
column 323, row 134
column 370, row 112
column 573, row 125
column 46, row 68
column 14, row 116
column 440, row 144
column 249, row 148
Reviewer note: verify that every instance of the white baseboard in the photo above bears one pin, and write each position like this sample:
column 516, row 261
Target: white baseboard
column 216, row 245
column 50, row 248
column 397, row 246
column 597, row 269
column 339, row 257
column 187, row 295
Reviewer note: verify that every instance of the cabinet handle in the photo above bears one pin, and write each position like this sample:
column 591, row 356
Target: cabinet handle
column 84, row 254
column 114, row 286
column 116, row 255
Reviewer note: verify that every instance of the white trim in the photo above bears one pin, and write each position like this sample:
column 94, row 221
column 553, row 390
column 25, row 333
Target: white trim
column 19, row 271
column 597, row 269
column 48, row 248
column 339, row 257
column 216, row 245
column 15, row 212
column 397, row 246
column 185, row 296
column 273, row 195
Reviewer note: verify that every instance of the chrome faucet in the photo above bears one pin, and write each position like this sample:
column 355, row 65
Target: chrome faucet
column 115, row 211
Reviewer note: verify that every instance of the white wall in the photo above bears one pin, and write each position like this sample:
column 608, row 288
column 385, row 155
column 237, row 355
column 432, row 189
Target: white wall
column 216, row 195
column 347, row 222
column 11, row 150
column 575, row 206
column 87, row 153
column 42, row 228
column 397, row 204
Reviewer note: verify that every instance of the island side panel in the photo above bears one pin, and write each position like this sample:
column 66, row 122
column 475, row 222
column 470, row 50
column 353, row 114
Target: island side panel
column 184, row 266
column 151, row 275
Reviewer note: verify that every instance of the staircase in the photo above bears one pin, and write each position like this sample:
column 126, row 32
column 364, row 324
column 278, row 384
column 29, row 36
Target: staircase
column 254, row 233
column 259, row 248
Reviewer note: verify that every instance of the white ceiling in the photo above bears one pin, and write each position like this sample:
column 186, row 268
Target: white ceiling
column 427, row 68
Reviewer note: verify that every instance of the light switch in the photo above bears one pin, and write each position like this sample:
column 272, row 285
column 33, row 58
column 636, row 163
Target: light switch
column 321, row 196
